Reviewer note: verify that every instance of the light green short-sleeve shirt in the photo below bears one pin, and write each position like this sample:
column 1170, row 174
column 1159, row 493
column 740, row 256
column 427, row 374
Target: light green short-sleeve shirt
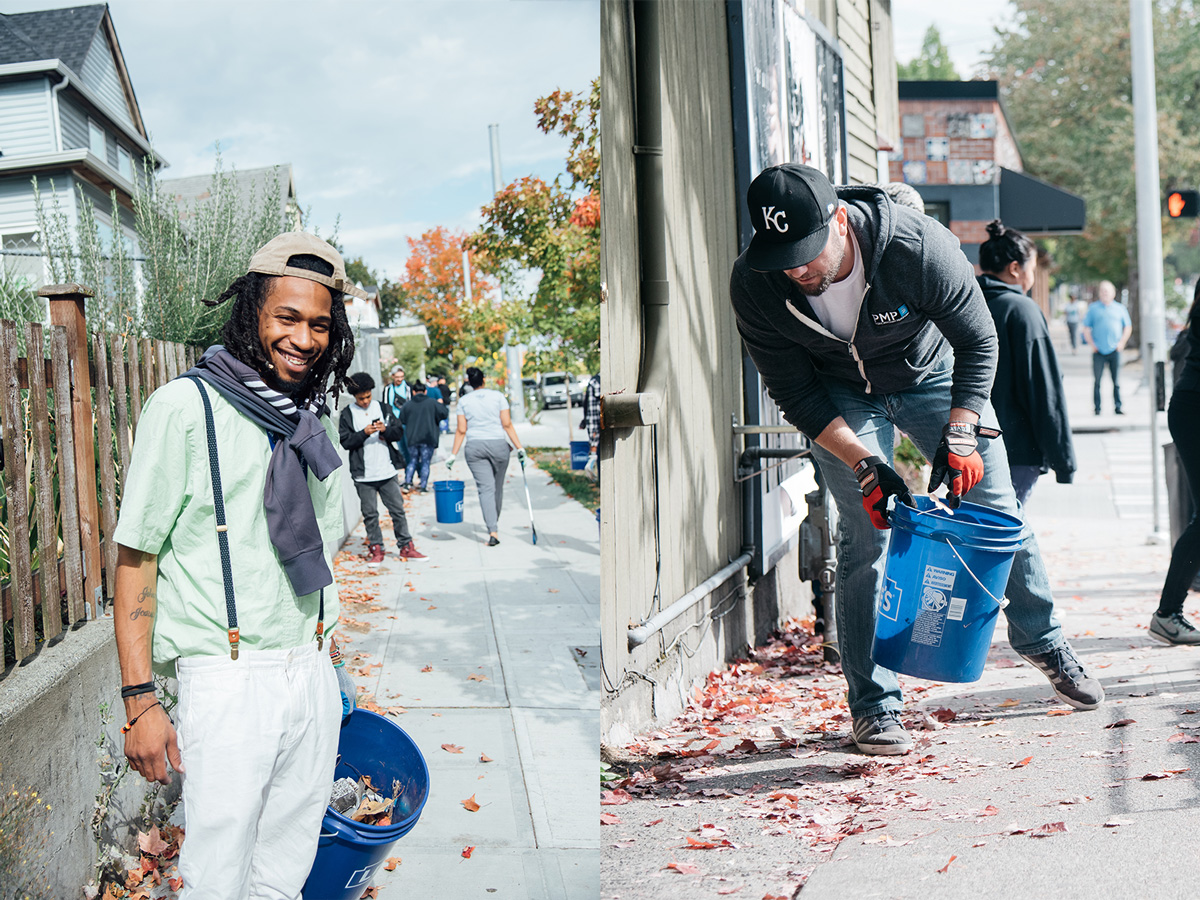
column 167, row 510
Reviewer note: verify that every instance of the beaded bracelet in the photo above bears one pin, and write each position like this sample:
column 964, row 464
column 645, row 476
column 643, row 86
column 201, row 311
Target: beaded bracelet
column 125, row 728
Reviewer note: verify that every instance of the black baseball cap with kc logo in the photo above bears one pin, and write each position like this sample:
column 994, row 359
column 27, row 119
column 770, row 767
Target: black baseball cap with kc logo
column 791, row 206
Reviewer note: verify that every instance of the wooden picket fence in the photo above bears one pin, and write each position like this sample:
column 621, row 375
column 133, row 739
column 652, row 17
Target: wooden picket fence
column 68, row 420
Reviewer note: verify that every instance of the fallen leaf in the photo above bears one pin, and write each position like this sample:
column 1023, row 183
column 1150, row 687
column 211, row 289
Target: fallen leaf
column 989, row 810
column 943, row 714
column 152, row 844
column 1182, row 738
column 370, row 893
column 652, row 822
column 470, row 804
column 625, row 845
column 1155, row 776
column 467, row 851
column 610, row 819
column 946, row 867
column 390, row 865
column 175, row 884
column 1059, row 712
column 1048, row 829
column 427, row 668
column 430, row 606
column 1120, row 723
column 683, row 868
column 476, row 677
column 617, row 797
column 1005, row 705
column 452, row 748
column 1022, row 763
column 483, row 757
column 1117, row 823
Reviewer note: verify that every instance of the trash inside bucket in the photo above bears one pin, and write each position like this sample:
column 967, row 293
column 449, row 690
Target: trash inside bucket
column 943, row 587
column 448, row 498
column 350, row 853
column 579, row 454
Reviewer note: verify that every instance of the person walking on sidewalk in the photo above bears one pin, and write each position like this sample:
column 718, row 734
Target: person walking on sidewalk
column 1107, row 328
column 1028, row 392
column 1168, row 624
column 420, row 418
column 591, row 424
column 863, row 316
column 1076, row 310
column 223, row 579
column 485, row 425
column 368, row 431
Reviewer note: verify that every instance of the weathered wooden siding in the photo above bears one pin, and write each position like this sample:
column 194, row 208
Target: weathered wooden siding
column 26, row 126
column 883, row 64
column 854, row 34
column 698, row 501
column 100, row 74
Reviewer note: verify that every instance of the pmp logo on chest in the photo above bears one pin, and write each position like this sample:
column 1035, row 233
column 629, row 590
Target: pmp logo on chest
column 890, row 318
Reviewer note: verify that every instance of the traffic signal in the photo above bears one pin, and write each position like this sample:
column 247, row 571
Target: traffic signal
column 1183, row 204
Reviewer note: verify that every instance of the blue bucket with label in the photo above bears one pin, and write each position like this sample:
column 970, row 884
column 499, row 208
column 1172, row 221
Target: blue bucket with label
column 943, row 588
column 448, row 498
column 349, row 853
column 580, row 450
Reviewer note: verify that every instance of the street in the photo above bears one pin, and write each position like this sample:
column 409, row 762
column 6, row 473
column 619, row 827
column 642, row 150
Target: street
column 757, row 790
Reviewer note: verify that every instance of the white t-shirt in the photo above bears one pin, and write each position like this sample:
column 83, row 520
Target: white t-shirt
column 838, row 308
column 377, row 461
column 482, row 407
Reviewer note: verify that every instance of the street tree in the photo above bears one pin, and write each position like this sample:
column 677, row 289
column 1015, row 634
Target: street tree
column 933, row 63
column 1064, row 68
column 553, row 229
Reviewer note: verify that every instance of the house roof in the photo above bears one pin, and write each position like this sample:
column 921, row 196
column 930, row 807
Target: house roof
column 64, row 34
column 196, row 189
column 948, row 90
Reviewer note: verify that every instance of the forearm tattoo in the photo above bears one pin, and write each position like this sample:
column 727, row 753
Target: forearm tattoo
column 147, row 594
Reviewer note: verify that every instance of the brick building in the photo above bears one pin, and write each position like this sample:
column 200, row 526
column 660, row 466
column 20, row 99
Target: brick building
column 958, row 150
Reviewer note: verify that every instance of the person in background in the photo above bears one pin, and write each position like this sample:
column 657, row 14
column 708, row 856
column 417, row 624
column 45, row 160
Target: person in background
column 420, row 417
column 1168, row 624
column 591, row 424
column 432, row 389
column 1107, row 328
column 1075, row 311
column 1027, row 394
column 367, row 430
column 395, row 394
column 485, row 426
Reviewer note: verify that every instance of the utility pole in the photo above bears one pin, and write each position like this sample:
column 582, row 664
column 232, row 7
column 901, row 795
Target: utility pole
column 512, row 353
column 1149, row 225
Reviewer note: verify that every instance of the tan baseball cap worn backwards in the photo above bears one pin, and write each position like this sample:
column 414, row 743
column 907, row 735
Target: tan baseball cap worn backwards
column 272, row 259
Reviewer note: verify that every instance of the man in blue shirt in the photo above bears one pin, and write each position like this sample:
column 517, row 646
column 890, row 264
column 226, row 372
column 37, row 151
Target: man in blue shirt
column 1107, row 328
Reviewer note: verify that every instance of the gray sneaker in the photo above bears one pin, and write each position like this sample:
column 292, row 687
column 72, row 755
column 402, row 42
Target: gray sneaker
column 1067, row 676
column 882, row 735
column 1173, row 629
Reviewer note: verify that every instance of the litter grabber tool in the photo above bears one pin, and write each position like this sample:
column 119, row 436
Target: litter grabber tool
column 528, row 502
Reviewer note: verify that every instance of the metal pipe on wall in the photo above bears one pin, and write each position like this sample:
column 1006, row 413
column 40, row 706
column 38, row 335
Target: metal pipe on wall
column 641, row 634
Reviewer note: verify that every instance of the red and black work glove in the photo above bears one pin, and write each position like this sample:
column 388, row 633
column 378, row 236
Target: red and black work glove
column 879, row 483
column 957, row 462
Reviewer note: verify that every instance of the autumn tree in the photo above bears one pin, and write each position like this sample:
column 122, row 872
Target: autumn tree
column 933, row 63
column 1064, row 68
column 433, row 289
column 553, row 229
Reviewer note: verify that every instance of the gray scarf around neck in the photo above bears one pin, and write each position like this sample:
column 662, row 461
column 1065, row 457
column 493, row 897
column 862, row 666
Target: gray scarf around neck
column 301, row 443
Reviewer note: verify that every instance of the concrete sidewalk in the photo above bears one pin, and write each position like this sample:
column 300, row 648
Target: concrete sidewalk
column 1016, row 795
column 493, row 650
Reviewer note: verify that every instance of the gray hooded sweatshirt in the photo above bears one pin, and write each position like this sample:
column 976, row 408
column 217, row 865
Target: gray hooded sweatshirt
column 921, row 301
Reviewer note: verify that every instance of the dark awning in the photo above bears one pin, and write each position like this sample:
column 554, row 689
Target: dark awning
column 1031, row 205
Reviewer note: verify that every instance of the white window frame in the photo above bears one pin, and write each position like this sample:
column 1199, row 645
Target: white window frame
column 12, row 231
column 94, row 129
column 125, row 162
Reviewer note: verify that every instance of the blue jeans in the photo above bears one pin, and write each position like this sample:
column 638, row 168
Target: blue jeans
column 419, row 457
column 920, row 412
column 1023, row 479
column 1112, row 362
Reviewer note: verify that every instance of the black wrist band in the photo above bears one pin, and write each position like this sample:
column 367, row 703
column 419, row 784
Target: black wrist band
column 133, row 690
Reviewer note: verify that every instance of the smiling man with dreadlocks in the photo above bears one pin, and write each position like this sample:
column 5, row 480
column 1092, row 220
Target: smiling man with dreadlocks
column 224, row 581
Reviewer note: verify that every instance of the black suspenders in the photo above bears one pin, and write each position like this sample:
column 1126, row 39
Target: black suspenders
column 223, row 529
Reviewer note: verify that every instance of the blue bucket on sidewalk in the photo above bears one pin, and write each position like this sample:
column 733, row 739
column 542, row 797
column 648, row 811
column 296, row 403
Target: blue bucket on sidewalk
column 350, row 853
column 580, row 450
column 943, row 587
column 448, row 498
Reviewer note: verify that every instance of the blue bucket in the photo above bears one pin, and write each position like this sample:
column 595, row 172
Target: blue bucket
column 580, row 450
column 350, row 853
column 943, row 587
column 448, row 498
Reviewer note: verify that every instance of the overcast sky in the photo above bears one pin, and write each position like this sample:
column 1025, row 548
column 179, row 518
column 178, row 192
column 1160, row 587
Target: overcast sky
column 967, row 29
column 381, row 106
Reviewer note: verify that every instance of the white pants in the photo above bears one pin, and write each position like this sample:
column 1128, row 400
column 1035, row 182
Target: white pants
column 259, row 741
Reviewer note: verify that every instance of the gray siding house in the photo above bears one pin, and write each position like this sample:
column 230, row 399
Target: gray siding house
column 68, row 114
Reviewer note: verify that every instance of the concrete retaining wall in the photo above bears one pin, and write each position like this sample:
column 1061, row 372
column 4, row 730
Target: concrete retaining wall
column 60, row 735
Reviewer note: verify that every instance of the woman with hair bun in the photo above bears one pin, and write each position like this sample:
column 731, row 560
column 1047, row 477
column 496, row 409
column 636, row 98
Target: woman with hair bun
column 485, row 426
column 1028, row 391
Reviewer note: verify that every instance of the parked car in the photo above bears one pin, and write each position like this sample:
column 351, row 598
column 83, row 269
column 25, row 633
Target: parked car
column 553, row 388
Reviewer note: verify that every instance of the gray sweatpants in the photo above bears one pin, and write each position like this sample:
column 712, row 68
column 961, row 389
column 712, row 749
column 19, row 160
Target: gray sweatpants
column 488, row 461
column 388, row 491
